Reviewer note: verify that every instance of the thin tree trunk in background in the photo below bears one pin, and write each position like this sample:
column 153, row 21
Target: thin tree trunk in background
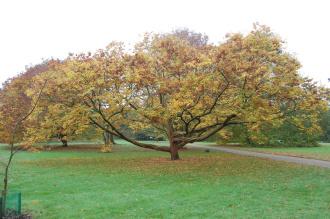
column 5, row 181
column 112, row 140
column 108, row 138
column 64, row 142
column 108, row 142
column 63, row 139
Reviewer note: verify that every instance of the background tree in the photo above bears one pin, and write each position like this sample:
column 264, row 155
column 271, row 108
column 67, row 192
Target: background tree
column 18, row 92
column 14, row 101
column 194, row 39
column 56, row 115
column 325, row 124
column 307, row 132
column 325, row 120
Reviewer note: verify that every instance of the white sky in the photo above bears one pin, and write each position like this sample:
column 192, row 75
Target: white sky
column 31, row 30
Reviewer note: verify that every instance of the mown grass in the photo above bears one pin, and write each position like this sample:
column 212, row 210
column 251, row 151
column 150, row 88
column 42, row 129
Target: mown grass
column 322, row 152
column 134, row 183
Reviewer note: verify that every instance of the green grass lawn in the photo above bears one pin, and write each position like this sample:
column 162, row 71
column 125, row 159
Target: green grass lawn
column 134, row 183
column 322, row 152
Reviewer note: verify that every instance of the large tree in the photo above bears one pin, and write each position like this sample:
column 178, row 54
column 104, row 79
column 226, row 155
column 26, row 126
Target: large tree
column 187, row 91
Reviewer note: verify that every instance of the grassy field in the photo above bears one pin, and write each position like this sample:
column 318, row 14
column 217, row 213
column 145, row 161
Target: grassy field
column 134, row 183
column 322, row 152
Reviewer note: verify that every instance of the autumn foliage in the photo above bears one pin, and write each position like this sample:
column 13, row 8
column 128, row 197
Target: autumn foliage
column 178, row 85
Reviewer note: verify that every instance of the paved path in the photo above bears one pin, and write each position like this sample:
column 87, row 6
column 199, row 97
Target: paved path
column 305, row 161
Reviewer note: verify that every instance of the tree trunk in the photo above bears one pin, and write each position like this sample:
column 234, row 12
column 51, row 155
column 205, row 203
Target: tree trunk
column 112, row 141
column 108, row 138
column 63, row 138
column 108, row 142
column 174, row 150
column 64, row 142
column 5, row 185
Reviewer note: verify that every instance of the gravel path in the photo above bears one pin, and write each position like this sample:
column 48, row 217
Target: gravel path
column 305, row 161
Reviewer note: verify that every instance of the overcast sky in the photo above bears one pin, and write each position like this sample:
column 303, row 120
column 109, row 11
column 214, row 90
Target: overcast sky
column 32, row 30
